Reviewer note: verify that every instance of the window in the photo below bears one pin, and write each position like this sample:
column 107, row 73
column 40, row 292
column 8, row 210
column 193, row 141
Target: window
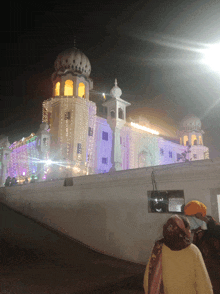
column 81, row 90
column 120, row 113
column 178, row 156
column 194, row 156
column 166, row 201
column 104, row 160
column 170, row 154
column 112, row 114
column 45, row 141
column 57, row 89
column 185, row 139
column 68, row 88
column 193, row 139
column 79, row 148
column 200, row 140
column 67, row 115
column 105, row 136
column 90, row 132
column 161, row 151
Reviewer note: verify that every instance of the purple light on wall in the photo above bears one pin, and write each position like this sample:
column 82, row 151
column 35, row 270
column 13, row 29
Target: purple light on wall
column 103, row 148
column 21, row 159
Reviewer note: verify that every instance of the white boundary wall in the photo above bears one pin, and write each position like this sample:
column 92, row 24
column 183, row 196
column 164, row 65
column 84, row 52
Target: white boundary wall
column 109, row 212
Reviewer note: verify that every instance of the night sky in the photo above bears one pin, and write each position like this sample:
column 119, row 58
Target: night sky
column 151, row 47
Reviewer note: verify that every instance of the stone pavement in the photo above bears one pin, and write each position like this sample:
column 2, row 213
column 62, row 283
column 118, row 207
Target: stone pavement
column 61, row 265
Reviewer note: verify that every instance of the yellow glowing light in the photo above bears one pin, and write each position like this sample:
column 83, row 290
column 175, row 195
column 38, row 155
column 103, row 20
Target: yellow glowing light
column 76, row 169
column 68, row 88
column 57, row 89
column 81, row 90
column 185, row 139
column 137, row 126
column 103, row 94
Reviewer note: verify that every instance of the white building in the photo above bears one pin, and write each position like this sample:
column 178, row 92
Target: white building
column 74, row 140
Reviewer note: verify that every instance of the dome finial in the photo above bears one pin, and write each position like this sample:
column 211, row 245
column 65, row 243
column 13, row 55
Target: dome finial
column 116, row 91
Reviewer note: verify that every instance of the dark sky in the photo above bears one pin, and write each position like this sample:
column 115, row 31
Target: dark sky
column 149, row 46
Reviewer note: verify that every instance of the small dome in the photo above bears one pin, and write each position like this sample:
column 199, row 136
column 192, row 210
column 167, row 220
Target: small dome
column 191, row 122
column 116, row 92
column 73, row 60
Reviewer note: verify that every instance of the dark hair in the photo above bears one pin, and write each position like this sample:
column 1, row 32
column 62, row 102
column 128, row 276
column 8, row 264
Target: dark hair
column 185, row 220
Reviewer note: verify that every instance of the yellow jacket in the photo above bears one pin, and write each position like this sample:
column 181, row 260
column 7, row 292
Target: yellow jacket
column 184, row 272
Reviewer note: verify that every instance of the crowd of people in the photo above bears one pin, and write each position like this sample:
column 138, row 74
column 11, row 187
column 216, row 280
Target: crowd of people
column 182, row 263
column 10, row 181
column 13, row 181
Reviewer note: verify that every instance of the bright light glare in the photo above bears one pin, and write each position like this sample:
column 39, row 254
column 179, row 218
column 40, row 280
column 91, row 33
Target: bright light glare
column 212, row 57
column 144, row 128
column 48, row 162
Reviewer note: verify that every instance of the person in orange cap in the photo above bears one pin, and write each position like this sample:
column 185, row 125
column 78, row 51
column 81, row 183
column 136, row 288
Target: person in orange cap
column 208, row 241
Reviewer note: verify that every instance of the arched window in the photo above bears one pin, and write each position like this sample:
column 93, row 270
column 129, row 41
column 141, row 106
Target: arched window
column 57, row 89
column 120, row 113
column 200, row 140
column 81, row 90
column 185, row 139
column 112, row 114
column 193, row 140
column 68, row 88
column 143, row 159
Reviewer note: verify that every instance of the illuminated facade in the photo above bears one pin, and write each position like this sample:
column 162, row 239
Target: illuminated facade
column 74, row 140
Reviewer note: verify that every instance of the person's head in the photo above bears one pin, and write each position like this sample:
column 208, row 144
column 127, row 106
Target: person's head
column 176, row 232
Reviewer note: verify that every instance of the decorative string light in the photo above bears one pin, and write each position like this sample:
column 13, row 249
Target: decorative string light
column 21, row 162
column 91, row 139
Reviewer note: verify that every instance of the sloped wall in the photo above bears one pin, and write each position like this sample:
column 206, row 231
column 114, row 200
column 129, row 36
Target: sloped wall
column 109, row 212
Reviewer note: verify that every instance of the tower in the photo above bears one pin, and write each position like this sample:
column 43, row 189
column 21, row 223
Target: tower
column 191, row 134
column 67, row 112
column 190, row 131
column 116, row 118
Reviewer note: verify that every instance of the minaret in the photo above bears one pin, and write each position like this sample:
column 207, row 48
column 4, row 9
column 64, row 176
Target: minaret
column 116, row 118
column 191, row 134
column 190, row 131
column 67, row 112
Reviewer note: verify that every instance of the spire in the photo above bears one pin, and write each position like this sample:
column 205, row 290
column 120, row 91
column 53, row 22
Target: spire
column 116, row 83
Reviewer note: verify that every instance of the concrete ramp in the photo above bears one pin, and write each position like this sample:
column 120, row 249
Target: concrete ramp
column 38, row 259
